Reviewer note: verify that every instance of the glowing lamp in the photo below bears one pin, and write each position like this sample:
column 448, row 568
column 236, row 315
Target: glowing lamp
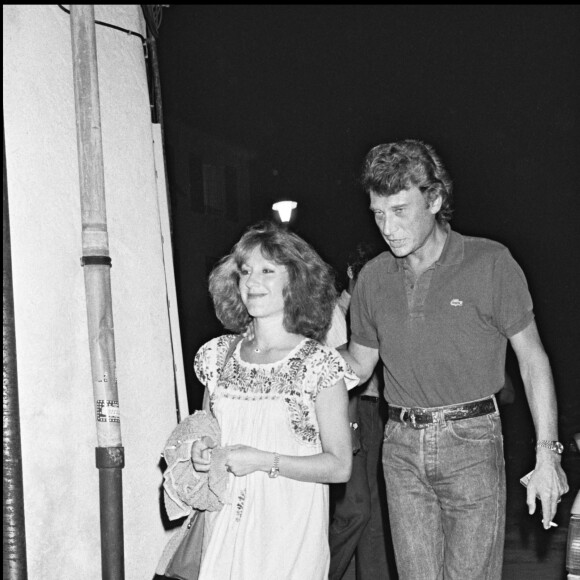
column 284, row 209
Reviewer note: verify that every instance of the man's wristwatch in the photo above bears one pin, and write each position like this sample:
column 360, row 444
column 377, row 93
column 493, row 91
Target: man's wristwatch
column 555, row 446
column 275, row 471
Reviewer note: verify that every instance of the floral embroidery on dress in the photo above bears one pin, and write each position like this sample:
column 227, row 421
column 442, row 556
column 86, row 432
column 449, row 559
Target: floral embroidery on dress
column 299, row 416
column 296, row 380
column 240, row 504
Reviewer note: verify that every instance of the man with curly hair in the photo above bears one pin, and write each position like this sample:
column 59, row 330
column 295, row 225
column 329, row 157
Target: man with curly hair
column 438, row 310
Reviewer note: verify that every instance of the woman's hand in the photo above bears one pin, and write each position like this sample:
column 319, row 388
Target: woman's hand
column 201, row 453
column 242, row 460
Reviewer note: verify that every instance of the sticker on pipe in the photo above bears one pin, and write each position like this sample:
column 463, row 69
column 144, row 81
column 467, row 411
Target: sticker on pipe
column 108, row 411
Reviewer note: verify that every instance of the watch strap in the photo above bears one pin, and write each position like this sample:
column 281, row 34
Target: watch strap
column 555, row 446
column 275, row 470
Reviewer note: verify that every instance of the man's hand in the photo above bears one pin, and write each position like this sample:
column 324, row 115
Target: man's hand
column 548, row 483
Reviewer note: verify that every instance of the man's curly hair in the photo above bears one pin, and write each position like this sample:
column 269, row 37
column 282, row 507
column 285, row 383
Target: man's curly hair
column 392, row 167
column 309, row 296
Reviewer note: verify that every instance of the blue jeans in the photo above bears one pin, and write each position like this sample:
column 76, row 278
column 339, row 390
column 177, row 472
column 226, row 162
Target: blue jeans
column 446, row 496
column 359, row 506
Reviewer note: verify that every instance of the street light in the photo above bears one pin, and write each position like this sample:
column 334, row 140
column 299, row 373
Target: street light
column 284, row 209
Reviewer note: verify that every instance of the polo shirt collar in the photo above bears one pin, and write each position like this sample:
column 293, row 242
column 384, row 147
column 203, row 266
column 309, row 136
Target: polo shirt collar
column 453, row 249
column 452, row 253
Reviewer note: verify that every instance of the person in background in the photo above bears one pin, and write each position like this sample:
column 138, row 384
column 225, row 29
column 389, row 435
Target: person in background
column 282, row 406
column 438, row 309
column 358, row 507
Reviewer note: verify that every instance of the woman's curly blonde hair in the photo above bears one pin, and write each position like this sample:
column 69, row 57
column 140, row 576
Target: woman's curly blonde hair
column 309, row 296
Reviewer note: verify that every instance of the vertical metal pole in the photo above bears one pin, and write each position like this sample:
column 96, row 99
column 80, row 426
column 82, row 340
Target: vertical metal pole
column 14, row 566
column 97, row 264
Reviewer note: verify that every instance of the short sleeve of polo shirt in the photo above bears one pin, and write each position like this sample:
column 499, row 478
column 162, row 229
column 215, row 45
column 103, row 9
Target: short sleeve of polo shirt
column 362, row 324
column 512, row 303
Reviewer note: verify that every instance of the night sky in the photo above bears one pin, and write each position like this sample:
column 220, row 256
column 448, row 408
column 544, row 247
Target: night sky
column 495, row 89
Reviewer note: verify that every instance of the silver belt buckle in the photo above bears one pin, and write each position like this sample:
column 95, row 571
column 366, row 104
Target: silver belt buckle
column 414, row 423
column 412, row 419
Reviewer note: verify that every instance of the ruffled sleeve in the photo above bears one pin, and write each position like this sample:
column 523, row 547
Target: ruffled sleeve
column 209, row 360
column 333, row 369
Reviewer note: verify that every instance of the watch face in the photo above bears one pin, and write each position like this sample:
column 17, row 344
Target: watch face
column 558, row 447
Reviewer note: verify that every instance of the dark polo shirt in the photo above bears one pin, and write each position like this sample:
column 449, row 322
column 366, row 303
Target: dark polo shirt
column 442, row 338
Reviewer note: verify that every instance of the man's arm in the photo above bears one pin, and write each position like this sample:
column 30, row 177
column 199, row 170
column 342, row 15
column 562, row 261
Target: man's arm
column 362, row 359
column 548, row 480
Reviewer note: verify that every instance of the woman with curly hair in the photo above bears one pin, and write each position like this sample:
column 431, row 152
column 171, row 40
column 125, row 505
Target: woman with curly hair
column 281, row 403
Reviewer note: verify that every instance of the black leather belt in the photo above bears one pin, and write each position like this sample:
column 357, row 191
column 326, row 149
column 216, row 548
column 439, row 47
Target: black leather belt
column 369, row 398
column 419, row 418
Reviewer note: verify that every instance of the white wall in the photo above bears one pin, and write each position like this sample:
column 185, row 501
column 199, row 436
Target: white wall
column 58, row 430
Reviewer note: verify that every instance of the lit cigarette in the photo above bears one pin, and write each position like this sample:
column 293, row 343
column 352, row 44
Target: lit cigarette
column 553, row 525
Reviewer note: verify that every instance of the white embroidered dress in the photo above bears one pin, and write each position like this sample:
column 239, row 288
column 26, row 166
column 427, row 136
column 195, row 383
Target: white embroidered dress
column 273, row 529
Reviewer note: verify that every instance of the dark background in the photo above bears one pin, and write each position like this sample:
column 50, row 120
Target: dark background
column 310, row 89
